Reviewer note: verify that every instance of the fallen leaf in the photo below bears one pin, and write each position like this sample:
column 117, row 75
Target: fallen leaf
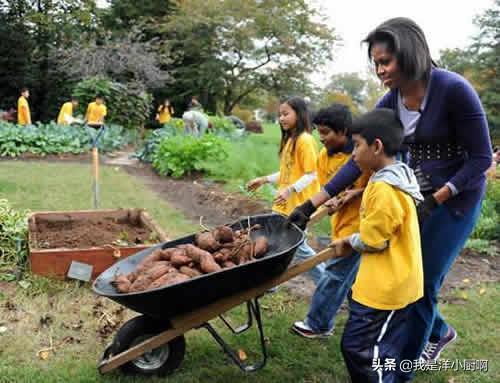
column 482, row 291
column 466, row 280
column 24, row 284
column 242, row 355
column 3, row 329
column 44, row 354
column 464, row 295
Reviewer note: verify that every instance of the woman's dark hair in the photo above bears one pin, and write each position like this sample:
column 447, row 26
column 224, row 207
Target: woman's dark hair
column 303, row 123
column 406, row 40
column 162, row 106
column 381, row 123
column 336, row 117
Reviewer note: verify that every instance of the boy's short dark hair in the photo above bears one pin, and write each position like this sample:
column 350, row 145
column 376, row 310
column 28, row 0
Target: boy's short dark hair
column 383, row 124
column 337, row 117
column 99, row 95
column 24, row 89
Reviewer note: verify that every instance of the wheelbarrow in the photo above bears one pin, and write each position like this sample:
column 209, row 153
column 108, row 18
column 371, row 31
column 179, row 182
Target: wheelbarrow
column 154, row 343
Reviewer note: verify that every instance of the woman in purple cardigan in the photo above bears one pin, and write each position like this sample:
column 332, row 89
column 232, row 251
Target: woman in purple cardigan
column 448, row 146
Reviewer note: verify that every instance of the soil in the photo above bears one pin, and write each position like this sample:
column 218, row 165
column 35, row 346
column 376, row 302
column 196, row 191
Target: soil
column 84, row 233
column 197, row 198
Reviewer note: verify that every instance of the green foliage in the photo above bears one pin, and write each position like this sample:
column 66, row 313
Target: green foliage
column 153, row 139
column 182, row 154
column 13, row 240
column 55, row 139
column 488, row 226
column 221, row 124
column 126, row 106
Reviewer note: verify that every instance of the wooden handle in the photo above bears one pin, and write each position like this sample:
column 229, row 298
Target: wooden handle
column 318, row 215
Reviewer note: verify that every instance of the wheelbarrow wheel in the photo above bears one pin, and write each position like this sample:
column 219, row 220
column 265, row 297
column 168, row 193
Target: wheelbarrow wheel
column 160, row 361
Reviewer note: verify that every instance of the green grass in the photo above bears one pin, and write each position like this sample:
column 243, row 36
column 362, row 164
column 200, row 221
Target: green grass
column 40, row 186
column 291, row 358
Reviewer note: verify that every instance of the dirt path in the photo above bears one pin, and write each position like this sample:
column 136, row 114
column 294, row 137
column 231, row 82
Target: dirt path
column 196, row 197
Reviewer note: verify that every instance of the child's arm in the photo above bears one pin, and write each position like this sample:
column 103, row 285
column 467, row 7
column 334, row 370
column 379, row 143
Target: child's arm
column 297, row 187
column 259, row 181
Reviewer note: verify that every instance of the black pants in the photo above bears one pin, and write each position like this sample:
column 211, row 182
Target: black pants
column 372, row 343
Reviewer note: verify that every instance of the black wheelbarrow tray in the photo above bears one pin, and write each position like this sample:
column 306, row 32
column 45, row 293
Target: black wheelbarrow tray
column 154, row 343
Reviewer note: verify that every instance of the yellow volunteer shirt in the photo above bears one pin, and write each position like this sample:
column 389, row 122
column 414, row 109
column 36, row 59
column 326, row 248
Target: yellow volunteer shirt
column 393, row 278
column 346, row 221
column 164, row 115
column 293, row 165
column 96, row 113
column 23, row 111
column 66, row 110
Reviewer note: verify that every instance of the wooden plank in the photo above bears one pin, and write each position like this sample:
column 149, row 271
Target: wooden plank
column 152, row 225
column 186, row 322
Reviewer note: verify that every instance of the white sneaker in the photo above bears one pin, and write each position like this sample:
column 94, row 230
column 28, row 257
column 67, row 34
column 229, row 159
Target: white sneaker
column 302, row 328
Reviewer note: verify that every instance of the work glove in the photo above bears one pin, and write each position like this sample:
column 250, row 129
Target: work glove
column 425, row 208
column 300, row 215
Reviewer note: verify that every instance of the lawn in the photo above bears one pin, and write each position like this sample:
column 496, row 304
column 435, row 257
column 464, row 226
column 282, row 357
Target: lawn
column 70, row 316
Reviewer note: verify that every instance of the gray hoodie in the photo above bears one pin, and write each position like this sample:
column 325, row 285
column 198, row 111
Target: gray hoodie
column 401, row 177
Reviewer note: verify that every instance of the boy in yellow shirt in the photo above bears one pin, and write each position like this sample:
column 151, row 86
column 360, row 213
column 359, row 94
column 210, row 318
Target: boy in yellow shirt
column 23, row 108
column 96, row 111
column 334, row 124
column 65, row 116
column 390, row 276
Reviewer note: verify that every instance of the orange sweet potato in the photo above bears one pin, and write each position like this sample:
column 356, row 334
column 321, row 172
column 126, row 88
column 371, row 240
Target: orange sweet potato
column 223, row 234
column 168, row 279
column 189, row 271
column 228, row 264
column 179, row 260
column 159, row 268
column 193, row 252
column 261, row 246
column 121, row 283
column 208, row 264
column 206, row 241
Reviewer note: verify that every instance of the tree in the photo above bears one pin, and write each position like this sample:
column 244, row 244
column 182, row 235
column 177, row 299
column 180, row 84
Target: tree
column 229, row 49
column 350, row 83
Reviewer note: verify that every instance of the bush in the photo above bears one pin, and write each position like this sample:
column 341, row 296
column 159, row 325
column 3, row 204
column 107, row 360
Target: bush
column 488, row 226
column 177, row 155
column 243, row 114
column 56, row 139
column 126, row 106
column 13, row 240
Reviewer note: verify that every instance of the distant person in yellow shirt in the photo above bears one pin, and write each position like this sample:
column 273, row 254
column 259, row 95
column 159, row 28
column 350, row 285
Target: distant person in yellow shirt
column 96, row 111
column 334, row 124
column 65, row 116
column 165, row 112
column 297, row 179
column 23, row 108
column 390, row 277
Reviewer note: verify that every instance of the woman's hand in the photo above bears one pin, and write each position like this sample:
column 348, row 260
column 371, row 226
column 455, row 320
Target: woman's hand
column 333, row 205
column 342, row 247
column 256, row 183
column 283, row 196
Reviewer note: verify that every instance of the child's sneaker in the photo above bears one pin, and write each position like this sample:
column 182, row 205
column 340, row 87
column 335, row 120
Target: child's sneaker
column 302, row 328
column 433, row 350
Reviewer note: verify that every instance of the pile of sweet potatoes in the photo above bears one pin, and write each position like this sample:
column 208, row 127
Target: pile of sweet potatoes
column 212, row 251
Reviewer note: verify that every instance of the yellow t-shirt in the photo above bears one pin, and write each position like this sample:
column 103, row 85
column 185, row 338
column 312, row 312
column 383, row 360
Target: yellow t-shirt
column 96, row 113
column 293, row 166
column 23, row 111
column 346, row 221
column 164, row 115
column 393, row 278
column 66, row 110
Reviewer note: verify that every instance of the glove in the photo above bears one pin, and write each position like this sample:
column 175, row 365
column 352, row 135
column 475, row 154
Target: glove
column 300, row 215
column 425, row 208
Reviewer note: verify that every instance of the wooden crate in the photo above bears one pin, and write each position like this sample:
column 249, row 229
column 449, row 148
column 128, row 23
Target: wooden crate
column 55, row 262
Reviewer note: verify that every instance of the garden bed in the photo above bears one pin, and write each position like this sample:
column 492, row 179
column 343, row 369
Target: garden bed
column 97, row 238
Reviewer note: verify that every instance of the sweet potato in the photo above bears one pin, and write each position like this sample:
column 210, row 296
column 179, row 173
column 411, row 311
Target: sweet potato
column 159, row 268
column 208, row 264
column 228, row 264
column 261, row 246
column 179, row 260
column 121, row 283
column 168, row 279
column 206, row 241
column 223, row 234
column 193, row 252
column 189, row 271
column 167, row 253
column 141, row 283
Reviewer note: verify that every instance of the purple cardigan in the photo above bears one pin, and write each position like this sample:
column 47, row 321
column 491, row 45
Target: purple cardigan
column 454, row 114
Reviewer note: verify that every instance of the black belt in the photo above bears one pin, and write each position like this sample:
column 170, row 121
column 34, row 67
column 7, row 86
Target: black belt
column 421, row 152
